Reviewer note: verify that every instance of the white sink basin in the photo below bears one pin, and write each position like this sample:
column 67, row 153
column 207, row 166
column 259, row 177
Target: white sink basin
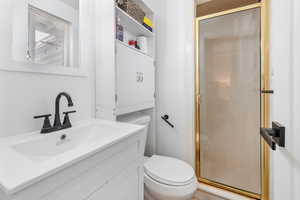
column 52, row 145
column 39, row 154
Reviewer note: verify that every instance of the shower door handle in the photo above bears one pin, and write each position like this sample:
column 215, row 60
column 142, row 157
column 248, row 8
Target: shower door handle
column 265, row 133
column 274, row 135
column 267, row 91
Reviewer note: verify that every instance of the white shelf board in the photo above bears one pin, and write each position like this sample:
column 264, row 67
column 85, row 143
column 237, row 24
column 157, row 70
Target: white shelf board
column 132, row 25
column 133, row 48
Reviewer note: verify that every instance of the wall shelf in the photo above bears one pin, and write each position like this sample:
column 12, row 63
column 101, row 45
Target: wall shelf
column 132, row 48
column 132, row 25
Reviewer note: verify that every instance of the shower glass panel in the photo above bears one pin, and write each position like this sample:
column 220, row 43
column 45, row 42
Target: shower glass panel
column 229, row 60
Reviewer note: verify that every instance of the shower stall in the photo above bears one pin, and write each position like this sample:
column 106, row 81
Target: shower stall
column 231, row 73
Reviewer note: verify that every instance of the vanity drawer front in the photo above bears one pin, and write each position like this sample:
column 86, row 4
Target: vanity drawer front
column 125, row 186
column 96, row 177
column 100, row 179
column 85, row 177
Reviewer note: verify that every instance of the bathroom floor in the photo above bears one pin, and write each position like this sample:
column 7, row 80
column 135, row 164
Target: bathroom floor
column 200, row 195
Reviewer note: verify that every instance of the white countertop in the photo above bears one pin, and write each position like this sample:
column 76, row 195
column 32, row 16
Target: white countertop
column 18, row 171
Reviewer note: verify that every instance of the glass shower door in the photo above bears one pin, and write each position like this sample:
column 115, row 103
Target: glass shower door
column 229, row 67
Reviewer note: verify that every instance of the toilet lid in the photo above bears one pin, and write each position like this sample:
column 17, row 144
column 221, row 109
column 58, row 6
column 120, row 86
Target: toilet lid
column 169, row 171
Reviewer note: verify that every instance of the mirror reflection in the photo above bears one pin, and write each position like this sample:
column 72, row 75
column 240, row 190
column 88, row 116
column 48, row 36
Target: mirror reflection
column 44, row 32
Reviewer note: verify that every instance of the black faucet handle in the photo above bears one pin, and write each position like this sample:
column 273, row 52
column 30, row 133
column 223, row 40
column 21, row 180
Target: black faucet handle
column 69, row 112
column 67, row 122
column 47, row 124
column 42, row 116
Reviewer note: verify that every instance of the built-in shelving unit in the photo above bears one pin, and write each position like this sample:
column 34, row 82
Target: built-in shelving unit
column 133, row 28
column 125, row 75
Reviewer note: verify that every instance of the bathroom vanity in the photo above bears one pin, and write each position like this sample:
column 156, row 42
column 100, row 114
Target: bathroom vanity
column 94, row 160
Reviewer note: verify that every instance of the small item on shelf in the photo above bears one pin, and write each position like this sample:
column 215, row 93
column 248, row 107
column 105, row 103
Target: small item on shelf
column 148, row 27
column 148, row 24
column 137, row 46
column 132, row 9
column 119, row 2
column 119, row 30
column 142, row 43
column 133, row 43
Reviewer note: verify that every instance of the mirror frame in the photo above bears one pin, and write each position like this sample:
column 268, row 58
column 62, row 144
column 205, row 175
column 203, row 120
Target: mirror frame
column 19, row 63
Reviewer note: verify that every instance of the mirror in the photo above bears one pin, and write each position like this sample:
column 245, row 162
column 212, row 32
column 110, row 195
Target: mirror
column 49, row 38
column 41, row 34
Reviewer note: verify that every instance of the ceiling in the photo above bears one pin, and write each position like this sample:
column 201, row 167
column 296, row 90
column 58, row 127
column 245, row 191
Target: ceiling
column 72, row 3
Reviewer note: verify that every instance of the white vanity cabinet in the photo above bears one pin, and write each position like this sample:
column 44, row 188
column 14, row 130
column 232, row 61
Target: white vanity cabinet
column 122, row 187
column 114, row 173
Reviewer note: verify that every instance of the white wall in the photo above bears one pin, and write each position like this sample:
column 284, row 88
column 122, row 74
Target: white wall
column 175, row 77
column 24, row 95
column 285, row 62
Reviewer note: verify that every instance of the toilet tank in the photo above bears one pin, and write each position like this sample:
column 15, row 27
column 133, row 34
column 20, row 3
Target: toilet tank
column 138, row 119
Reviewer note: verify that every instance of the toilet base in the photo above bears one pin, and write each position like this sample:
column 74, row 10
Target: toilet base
column 148, row 196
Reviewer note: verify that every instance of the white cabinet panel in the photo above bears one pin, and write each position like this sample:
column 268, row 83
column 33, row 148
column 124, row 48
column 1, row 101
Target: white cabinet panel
column 97, row 176
column 117, row 169
column 123, row 187
column 135, row 80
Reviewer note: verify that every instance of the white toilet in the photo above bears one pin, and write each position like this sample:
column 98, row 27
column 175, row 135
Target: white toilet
column 165, row 178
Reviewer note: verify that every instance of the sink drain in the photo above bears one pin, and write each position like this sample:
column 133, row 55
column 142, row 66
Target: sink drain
column 63, row 137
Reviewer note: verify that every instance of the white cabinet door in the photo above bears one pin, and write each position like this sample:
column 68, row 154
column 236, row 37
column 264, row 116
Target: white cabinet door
column 146, row 84
column 135, row 80
column 125, row 186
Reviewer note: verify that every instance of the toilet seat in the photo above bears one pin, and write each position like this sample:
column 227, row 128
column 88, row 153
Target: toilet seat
column 163, row 191
column 169, row 171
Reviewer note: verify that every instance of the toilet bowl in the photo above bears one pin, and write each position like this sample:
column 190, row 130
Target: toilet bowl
column 168, row 178
column 165, row 178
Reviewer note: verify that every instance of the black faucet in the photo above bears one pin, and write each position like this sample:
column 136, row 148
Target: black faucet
column 47, row 128
column 57, row 122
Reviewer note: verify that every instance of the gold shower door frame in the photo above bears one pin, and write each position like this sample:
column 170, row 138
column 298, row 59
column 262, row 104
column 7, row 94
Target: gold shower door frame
column 265, row 85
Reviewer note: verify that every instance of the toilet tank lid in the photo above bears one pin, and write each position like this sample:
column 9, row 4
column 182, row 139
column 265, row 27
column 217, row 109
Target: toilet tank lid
column 136, row 119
